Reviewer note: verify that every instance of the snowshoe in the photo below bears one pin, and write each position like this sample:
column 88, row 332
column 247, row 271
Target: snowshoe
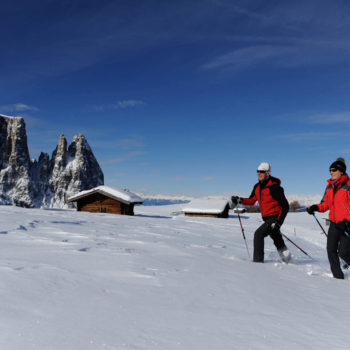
column 285, row 255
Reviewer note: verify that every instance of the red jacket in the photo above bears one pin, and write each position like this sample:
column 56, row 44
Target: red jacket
column 336, row 199
column 271, row 199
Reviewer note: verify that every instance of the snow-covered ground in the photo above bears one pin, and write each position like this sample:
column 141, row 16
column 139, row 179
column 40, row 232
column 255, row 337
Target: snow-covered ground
column 159, row 280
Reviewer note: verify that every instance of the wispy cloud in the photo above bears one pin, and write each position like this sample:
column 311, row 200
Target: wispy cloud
column 295, row 34
column 125, row 158
column 119, row 105
column 307, row 136
column 178, row 178
column 245, row 57
column 18, row 107
column 154, row 175
column 298, row 53
column 130, row 103
column 131, row 142
column 331, row 118
column 207, row 178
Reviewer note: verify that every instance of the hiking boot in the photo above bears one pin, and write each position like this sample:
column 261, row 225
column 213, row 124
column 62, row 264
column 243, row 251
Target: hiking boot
column 285, row 255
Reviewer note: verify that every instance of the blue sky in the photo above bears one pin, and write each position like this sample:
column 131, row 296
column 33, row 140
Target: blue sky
column 184, row 97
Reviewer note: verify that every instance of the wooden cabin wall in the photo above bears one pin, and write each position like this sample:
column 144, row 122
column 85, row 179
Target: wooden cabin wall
column 109, row 205
column 98, row 203
column 90, row 203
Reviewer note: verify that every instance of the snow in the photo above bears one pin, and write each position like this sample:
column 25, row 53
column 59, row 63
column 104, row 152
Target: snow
column 109, row 191
column 303, row 199
column 208, row 206
column 159, row 280
column 9, row 116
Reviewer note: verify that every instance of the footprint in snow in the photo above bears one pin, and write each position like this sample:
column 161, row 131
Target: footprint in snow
column 20, row 268
column 84, row 249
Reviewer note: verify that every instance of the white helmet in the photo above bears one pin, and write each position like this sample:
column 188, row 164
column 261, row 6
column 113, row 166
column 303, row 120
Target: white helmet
column 265, row 167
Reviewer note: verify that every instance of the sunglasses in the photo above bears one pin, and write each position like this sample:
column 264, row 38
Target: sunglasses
column 261, row 171
column 332, row 170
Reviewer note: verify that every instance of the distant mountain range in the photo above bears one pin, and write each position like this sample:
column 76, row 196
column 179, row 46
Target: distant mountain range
column 152, row 201
column 303, row 199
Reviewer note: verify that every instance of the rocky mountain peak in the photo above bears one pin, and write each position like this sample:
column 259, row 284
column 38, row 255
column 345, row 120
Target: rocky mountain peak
column 44, row 182
column 62, row 145
column 13, row 142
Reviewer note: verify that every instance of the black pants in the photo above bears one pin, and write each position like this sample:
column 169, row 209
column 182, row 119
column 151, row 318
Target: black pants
column 338, row 245
column 259, row 236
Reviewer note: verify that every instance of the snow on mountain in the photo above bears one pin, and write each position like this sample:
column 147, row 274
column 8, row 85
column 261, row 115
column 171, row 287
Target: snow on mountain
column 46, row 182
column 159, row 199
column 159, row 280
column 304, row 199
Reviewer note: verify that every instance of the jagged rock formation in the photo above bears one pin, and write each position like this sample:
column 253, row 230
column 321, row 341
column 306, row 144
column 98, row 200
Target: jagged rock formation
column 44, row 182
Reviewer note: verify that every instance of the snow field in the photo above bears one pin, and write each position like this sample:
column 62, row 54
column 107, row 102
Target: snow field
column 160, row 280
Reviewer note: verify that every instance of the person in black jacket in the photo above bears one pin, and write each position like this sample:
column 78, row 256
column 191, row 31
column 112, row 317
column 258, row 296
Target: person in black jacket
column 274, row 208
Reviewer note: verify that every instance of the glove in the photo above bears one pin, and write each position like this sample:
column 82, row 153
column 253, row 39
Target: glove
column 275, row 227
column 236, row 200
column 311, row 210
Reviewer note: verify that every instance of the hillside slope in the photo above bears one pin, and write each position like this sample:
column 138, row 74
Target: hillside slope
column 160, row 280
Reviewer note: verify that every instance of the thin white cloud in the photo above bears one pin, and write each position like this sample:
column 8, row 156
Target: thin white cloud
column 131, row 142
column 331, row 118
column 119, row 105
column 122, row 159
column 248, row 56
column 307, row 136
column 130, row 103
column 18, row 107
column 291, row 54
column 207, row 178
column 154, row 175
column 178, row 178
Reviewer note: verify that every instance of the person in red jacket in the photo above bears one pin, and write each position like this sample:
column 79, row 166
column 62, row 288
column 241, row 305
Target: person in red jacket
column 274, row 208
column 336, row 199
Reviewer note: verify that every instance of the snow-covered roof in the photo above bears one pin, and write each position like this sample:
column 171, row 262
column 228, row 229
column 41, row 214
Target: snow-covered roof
column 118, row 194
column 206, row 206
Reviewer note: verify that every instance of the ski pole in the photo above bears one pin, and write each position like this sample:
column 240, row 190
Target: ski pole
column 346, row 225
column 345, row 264
column 298, row 247
column 240, row 221
column 320, row 224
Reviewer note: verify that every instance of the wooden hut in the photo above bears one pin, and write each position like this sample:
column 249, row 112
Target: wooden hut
column 103, row 199
column 216, row 208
